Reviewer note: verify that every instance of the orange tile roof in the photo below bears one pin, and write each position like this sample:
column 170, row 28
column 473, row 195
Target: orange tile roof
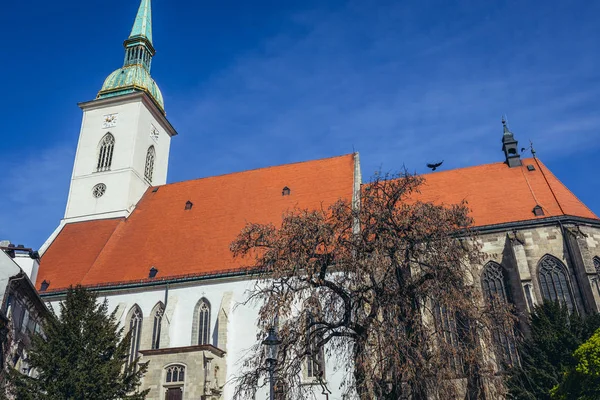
column 498, row 194
column 161, row 233
column 179, row 242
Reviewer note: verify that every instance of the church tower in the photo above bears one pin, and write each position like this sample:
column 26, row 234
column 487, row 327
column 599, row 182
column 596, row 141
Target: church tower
column 125, row 136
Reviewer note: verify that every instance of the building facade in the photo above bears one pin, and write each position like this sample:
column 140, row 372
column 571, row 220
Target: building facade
column 160, row 252
column 21, row 309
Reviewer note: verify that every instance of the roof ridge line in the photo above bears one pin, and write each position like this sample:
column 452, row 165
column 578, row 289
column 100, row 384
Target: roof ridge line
column 255, row 169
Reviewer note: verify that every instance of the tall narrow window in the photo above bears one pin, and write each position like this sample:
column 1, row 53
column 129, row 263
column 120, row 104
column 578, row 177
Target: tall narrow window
column 315, row 362
column 554, row 281
column 447, row 332
column 203, row 312
column 597, row 267
column 135, row 328
column 105, row 153
column 149, row 170
column 494, row 289
column 158, row 313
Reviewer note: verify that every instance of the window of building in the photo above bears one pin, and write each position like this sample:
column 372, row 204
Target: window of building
column 203, row 318
column 135, row 327
column 447, row 333
column 597, row 265
column 149, row 170
column 158, row 313
column 105, row 153
column 175, row 374
column 529, row 296
column 554, row 282
column 496, row 295
column 315, row 360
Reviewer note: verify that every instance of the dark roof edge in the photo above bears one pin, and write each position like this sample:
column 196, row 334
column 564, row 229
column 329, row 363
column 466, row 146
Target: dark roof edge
column 531, row 223
column 118, row 286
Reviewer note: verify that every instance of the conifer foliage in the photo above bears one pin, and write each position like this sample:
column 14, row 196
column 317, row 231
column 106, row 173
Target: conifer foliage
column 82, row 354
column 548, row 352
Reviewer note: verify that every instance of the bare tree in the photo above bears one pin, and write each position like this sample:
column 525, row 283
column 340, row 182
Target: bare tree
column 386, row 285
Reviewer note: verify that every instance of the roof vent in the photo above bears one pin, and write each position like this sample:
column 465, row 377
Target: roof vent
column 189, row 205
column 286, row 191
column 153, row 272
column 538, row 211
column 34, row 255
column 21, row 246
column 155, row 190
column 44, row 286
column 530, row 168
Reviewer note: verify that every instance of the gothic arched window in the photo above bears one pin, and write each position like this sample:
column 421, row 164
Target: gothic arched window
column 149, row 170
column 175, row 374
column 202, row 319
column 554, row 282
column 105, row 153
column 494, row 289
column 315, row 363
column 596, row 280
column 135, row 329
column 447, row 332
column 157, row 313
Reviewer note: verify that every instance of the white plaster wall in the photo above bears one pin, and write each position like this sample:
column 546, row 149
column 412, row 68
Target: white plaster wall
column 241, row 329
column 28, row 265
column 125, row 181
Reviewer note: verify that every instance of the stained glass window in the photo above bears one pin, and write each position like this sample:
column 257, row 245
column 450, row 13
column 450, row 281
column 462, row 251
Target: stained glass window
column 159, row 310
column 494, row 289
column 204, row 322
column 135, row 327
column 554, row 282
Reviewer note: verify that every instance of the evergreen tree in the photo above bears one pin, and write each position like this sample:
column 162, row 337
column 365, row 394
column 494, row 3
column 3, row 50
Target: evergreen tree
column 548, row 352
column 82, row 354
column 582, row 382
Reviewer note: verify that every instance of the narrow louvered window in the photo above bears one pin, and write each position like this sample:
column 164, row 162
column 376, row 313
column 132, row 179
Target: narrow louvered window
column 149, row 170
column 135, row 329
column 159, row 310
column 554, row 282
column 105, row 153
column 494, row 289
column 204, row 322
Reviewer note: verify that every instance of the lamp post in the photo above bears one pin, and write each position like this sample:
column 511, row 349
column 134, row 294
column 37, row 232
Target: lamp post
column 271, row 344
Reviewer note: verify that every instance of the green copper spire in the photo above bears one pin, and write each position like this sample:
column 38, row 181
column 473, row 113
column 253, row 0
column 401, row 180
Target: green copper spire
column 135, row 74
column 142, row 27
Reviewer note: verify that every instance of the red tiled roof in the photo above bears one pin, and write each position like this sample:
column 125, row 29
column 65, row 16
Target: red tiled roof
column 161, row 233
column 498, row 194
column 179, row 242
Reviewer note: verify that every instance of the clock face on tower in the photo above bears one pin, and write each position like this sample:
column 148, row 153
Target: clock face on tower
column 109, row 120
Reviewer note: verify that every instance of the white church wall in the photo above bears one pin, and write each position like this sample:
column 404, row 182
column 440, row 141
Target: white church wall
column 241, row 328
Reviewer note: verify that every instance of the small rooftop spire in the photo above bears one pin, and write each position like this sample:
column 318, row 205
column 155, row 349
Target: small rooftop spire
column 142, row 26
column 505, row 126
column 509, row 146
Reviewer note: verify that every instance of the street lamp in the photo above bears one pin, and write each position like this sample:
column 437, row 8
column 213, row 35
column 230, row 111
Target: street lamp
column 271, row 344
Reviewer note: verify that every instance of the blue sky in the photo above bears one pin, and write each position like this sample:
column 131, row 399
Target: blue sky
column 252, row 84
